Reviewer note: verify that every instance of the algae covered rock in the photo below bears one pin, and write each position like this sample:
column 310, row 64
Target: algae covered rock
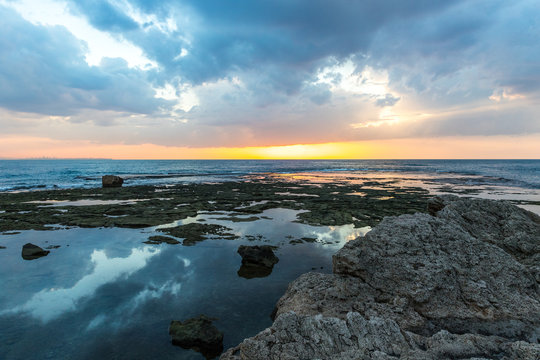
column 195, row 232
column 159, row 239
column 31, row 252
column 198, row 334
column 462, row 284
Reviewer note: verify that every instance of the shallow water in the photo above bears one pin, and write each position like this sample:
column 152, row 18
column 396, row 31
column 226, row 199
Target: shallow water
column 105, row 294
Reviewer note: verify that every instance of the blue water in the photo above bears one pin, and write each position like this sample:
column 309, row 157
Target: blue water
column 47, row 174
column 104, row 294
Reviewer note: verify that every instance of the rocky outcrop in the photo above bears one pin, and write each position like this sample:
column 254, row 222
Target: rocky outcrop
column 462, row 284
column 198, row 334
column 257, row 261
column 31, row 252
column 159, row 239
column 111, row 181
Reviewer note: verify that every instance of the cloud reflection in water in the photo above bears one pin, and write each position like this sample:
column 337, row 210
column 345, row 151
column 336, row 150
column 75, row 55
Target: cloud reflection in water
column 49, row 304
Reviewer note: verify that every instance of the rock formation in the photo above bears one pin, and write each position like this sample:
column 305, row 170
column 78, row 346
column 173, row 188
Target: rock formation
column 31, row 252
column 257, row 261
column 111, row 181
column 462, row 283
column 159, row 239
column 198, row 334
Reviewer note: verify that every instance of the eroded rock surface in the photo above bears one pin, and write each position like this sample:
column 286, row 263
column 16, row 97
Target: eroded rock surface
column 462, row 284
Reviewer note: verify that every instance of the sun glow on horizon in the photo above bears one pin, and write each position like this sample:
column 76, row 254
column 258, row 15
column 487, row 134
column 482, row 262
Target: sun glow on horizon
column 493, row 147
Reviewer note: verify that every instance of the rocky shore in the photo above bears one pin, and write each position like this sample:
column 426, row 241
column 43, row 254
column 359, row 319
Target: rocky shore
column 459, row 283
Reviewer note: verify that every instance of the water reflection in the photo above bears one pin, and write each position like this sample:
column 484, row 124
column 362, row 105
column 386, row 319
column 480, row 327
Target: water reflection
column 52, row 302
column 109, row 295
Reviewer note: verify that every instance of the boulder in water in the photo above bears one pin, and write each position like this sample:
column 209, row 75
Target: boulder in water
column 111, row 181
column 31, row 252
column 257, row 261
column 198, row 334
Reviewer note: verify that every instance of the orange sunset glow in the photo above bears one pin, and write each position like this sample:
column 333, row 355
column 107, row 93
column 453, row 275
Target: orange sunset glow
column 500, row 147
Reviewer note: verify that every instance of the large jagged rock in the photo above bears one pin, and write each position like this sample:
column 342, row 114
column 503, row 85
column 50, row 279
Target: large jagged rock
column 462, row 284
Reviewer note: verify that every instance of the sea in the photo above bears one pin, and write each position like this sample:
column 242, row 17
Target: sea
column 103, row 293
column 18, row 175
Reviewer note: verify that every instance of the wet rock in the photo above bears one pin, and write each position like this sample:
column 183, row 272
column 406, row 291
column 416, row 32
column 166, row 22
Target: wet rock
column 50, row 247
column 23, row 210
column 111, row 181
column 462, row 284
column 258, row 255
column 158, row 239
column 198, row 334
column 31, row 252
column 2, row 247
column 257, row 261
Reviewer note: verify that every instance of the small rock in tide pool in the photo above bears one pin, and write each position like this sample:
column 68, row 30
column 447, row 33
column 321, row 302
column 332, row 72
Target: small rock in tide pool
column 158, row 239
column 2, row 247
column 111, row 181
column 257, row 261
column 52, row 247
column 197, row 334
column 31, row 252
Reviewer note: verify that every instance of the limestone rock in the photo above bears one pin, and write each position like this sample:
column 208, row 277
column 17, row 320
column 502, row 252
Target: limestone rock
column 461, row 284
column 111, row 181
column 198, row 334
column 31, row 252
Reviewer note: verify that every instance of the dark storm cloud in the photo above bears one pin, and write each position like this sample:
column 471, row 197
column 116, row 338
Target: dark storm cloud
column 239, row 35
column 254, row 67
column 43, row 70
column 105, row 16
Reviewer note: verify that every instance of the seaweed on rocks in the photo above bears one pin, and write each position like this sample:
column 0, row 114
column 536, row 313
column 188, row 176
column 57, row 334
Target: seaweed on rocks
column 195, row 232
column 146, row 206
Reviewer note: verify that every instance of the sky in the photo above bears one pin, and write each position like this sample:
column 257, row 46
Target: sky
column 270, row 79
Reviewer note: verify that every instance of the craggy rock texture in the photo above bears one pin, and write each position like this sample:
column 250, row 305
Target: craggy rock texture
column 32, row 252
column 198, row 334
column 111, row 181
column 462, row 284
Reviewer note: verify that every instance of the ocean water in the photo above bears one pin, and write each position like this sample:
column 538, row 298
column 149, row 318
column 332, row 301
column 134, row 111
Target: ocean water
column 48, row 174
column 103, row 293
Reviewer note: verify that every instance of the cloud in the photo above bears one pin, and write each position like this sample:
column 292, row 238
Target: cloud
column 278, row 72
column 43, row 70
column 387, row 100
column 106, row 16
